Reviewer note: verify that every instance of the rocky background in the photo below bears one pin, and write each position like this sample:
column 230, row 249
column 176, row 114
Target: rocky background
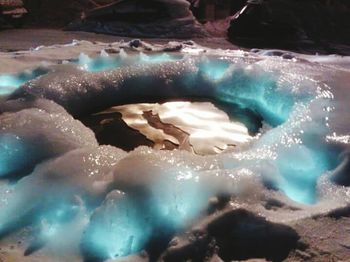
column 313, row 25
column 308, row 26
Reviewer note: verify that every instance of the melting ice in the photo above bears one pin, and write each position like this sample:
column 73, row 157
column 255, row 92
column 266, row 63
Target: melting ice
column 10, row 82
column 126, row 201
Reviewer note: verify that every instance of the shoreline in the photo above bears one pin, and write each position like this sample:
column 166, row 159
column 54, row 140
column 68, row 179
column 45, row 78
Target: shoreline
column 13, row 40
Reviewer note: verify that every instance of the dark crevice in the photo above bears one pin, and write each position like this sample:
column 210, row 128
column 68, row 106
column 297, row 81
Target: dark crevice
column 236, row 235
column 110, row 129
column 242, row 235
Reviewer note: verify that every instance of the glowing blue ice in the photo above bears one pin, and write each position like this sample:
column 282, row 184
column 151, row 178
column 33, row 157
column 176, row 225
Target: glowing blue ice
column 9, row 83
column 106, row 62
column 301, row 167
column 181, row 200
column 214, row 69
column 122, row 226
column 12, row 154
column 98, row 64
column 167, row 194
column 257, row 92
column 157, row 58
column 125, row 224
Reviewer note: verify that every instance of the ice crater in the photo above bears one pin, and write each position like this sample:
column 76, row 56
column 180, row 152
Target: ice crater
column 123, row 202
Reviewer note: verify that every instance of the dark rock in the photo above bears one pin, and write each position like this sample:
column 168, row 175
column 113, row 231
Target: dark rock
column 138, row 18
column 309, row 26
column 173, row 47
column 235, row 235
column 112, row 50
column 135, row 43
column 243, row 235
column 53, row 13
column 106, row 126
column 303, row 255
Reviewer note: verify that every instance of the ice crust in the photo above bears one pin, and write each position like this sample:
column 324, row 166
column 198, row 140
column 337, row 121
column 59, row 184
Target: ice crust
column 125, row 201
column 10, row 82
column 32, row 135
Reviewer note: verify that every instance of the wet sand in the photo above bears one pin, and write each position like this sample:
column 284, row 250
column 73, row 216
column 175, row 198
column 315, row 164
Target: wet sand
column 12, row 40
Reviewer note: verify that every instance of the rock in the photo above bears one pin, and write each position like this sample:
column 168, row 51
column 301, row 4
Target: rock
column 303, row 255
column 137, row 18
column 112, row 51
column 215, row 258
column 235, row 235
column 53, row 13
column 240, row 234
column 135, row 43
column 105, row 126
column 309, row 26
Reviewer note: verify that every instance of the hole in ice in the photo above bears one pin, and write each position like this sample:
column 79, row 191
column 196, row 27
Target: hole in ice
column 197, row 126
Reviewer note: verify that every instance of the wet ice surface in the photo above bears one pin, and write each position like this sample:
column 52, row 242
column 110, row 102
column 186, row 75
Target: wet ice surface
column 58, row 180
column 10, row 82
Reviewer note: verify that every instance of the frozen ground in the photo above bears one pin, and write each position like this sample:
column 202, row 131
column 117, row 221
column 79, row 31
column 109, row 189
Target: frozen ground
column 282, row 196
column 24, row 39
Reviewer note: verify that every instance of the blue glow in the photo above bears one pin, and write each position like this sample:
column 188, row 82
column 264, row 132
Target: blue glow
column 125, row 223
column 13, row 154
column 179, row 202
column 59, row 211
column 258, row 93
column 119, row 228
column 157, row 58
column 214, row 69
column 301, row 167
column 9, row 83
column 105, row 62
column 101, row 63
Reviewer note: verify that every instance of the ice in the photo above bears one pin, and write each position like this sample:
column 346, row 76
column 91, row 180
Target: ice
column 157, row 58
column 9, row 83
column 58, row 189
column 272, row 90
column 159, row 195
column 104, row 61
column 32, row 135
column 125, row 202
column 126, row 233
column 213, row 68
column 101, row 63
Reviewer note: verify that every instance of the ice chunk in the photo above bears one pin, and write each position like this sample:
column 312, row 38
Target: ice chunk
column 100, row 63
column 57, row 188
column 120, row 227
column 32, row 135
column 9, row 83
